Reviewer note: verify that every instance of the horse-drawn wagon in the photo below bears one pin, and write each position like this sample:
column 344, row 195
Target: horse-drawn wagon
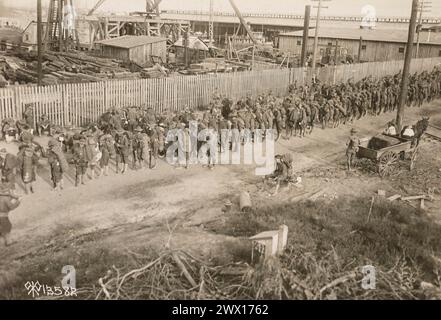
column 387, row 152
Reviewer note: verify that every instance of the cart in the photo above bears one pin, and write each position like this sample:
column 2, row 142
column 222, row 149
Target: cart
column 387, row 152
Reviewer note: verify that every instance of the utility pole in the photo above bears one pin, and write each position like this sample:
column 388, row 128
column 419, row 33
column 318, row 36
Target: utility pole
column 317, row 28
column 407, row 62
column 39, row 44
column 424, row 6
column 211, row 23
column 305, row 35
column 186, row 49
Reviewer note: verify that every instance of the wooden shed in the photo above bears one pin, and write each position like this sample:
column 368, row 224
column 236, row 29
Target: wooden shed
column 373, row 45
column 138, row 49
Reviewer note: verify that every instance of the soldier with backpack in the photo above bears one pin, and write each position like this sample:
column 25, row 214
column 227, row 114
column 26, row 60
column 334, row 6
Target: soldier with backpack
column 107, row 149
column 353, row 146
column 57, row 163
column 122, row 143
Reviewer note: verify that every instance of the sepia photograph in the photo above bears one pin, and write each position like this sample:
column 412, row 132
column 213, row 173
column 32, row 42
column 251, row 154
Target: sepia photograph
column 233, row 152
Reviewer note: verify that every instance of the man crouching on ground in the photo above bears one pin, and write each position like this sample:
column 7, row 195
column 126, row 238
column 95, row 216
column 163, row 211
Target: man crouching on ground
column 8, row 203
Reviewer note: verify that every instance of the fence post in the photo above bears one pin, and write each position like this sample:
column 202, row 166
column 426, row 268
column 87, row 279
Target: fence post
column 65, row 105
column 105, row 96
column 16, row 103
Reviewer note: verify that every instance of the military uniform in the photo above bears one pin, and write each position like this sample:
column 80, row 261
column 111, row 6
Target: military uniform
column 8, row 167
column 122, row 144
column 80, row 160
column 8, row 203
column 352, row 149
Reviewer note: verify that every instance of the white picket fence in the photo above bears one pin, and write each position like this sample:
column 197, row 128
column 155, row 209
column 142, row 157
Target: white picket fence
column 82, row 103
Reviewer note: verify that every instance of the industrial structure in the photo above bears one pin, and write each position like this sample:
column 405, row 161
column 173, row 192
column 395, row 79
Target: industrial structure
column 362, row 45
column 139, row 23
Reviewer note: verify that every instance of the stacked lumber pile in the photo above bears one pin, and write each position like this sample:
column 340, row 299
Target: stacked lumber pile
column 156, row 71
column 63, row 67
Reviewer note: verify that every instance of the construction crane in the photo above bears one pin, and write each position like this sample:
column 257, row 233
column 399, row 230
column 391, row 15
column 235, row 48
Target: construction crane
column 60, row 28
column 152, row 6
column 244, row 23
column 96, row 7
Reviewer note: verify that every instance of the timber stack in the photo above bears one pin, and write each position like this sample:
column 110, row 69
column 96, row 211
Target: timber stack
column 62, row 67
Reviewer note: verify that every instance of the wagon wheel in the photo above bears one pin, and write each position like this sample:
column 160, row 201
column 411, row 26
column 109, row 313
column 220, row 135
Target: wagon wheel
column 387, row 164
column 413, row 159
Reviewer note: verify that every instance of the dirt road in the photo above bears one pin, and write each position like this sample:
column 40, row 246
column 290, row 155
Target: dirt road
column 151, row 202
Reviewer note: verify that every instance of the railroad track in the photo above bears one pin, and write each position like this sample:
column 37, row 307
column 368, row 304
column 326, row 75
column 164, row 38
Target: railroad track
column 434, row 133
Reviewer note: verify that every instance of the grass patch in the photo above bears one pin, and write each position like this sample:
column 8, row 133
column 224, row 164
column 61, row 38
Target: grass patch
column 330, row 239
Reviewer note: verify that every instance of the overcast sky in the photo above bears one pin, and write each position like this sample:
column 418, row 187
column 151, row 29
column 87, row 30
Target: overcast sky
column 336, row 7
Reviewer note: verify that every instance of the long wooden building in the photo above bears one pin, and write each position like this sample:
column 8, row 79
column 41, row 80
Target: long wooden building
column 363, row 45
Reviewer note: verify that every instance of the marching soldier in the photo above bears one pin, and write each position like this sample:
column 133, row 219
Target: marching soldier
column 107, row 148
column 57, row 163
column 122, row 144
column 353, row 146
column 27, row 164
column 8, row 203
column 8, row 167
column 80, row 159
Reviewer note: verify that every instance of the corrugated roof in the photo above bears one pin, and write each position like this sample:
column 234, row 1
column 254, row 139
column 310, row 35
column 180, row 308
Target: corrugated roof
column 128, row 42
column 382, row 35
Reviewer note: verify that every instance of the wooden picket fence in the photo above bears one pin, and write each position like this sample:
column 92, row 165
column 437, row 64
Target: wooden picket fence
column 79, row 104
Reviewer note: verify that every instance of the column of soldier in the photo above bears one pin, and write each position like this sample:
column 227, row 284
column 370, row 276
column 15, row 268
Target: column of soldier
column 135, row 137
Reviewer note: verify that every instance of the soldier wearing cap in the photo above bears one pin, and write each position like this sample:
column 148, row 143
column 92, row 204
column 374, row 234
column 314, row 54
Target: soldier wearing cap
column 93, row 152
column 283, row 172
column 27, row 164
column 44, row 126
column 353, row 146
column 138, row 148
column 107, row 149
column 8, row 167
column 184, row 145
column 122, row 144
column 28, row 117
column 57, row 163
column 154, row 146
column 8, row 203
column 80, row 159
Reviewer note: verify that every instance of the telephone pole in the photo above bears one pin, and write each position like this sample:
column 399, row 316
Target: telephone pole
column 317, row 28
column 407, row 63
column 211, row 23
column 424, row 7
column 305, row 36
column 39, row 43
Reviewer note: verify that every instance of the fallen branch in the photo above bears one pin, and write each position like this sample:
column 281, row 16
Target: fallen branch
column 184, row 270
column 338, row 281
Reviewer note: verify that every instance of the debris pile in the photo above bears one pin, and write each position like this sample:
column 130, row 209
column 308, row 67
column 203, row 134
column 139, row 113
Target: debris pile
column 62, row 67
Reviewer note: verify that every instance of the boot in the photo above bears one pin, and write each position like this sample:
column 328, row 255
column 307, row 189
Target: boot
column 82, row 179
column 61, row 184
column 76, row 181
column 106, row 171
column 92, row 174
